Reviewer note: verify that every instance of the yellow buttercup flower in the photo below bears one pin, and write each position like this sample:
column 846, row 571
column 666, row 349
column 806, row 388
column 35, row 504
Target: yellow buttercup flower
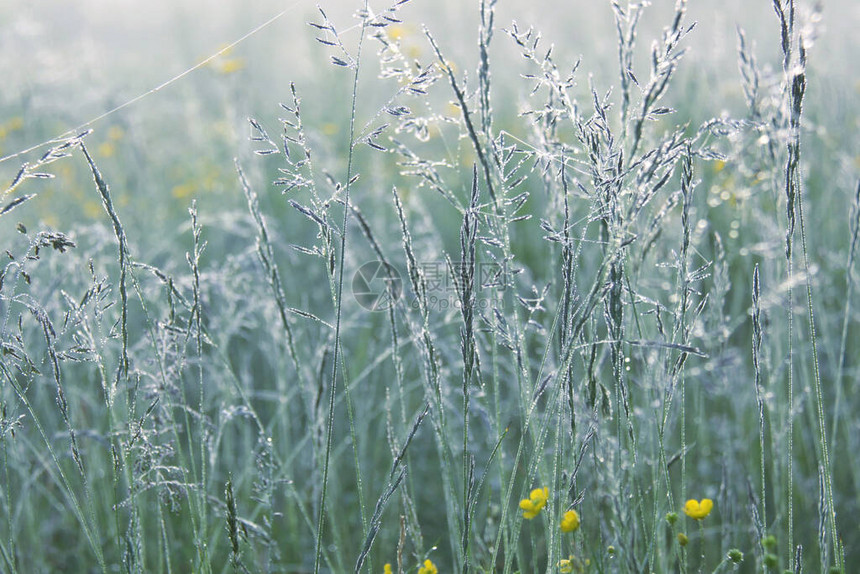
column 223, row 63
column 386, row 569
column 12, row 125
column 115, row 133
column 184, row 189
column 397, row 32
column 532, row 505
column 428, row 568
column 231, row 65
column 572, row 564
column 106, row 149
column 698, row 510
column 570, row 521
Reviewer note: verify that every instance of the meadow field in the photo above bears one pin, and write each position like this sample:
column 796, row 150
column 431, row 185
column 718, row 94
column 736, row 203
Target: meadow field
column 413, row 287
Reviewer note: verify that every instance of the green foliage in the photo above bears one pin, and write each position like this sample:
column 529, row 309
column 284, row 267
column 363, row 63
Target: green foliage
column 412, row 327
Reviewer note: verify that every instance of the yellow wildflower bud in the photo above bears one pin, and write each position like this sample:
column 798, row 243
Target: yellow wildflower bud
column 386, row 569
column 573, row 564
column 672, row 518
column 428, row 568
column 682, row 539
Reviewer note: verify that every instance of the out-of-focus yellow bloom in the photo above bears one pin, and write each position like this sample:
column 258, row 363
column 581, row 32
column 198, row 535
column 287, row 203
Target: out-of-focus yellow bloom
column 428, row 568
column 397, row 32
column 115, row 133
column 50, row 220
column 570, row 521
column 698, row 510
column 106, row 149
column 184, row 190
column 12, row 125
column 231, row 65
column 573, row 564
column 532, row 505
column 92, row 209
column 386, row 569
column 224, row 64
column 468, row 157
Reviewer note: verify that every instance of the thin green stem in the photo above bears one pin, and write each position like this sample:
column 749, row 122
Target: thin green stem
column 339, row 301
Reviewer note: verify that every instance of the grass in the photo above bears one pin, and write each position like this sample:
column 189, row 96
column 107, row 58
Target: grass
column 372, row 333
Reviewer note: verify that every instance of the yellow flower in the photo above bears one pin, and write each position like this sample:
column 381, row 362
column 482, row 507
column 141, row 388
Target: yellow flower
column 428, row 568
column 184, row 190
column 387, row 569
column 537, row 499
column 231, row 65
column 570, row 521
column 12, row 125
column 107, row 149
column 92, row 209
column 573, row 564
column 224, row 64
column 397, row 32
column 698, row 510
column 115, row 133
